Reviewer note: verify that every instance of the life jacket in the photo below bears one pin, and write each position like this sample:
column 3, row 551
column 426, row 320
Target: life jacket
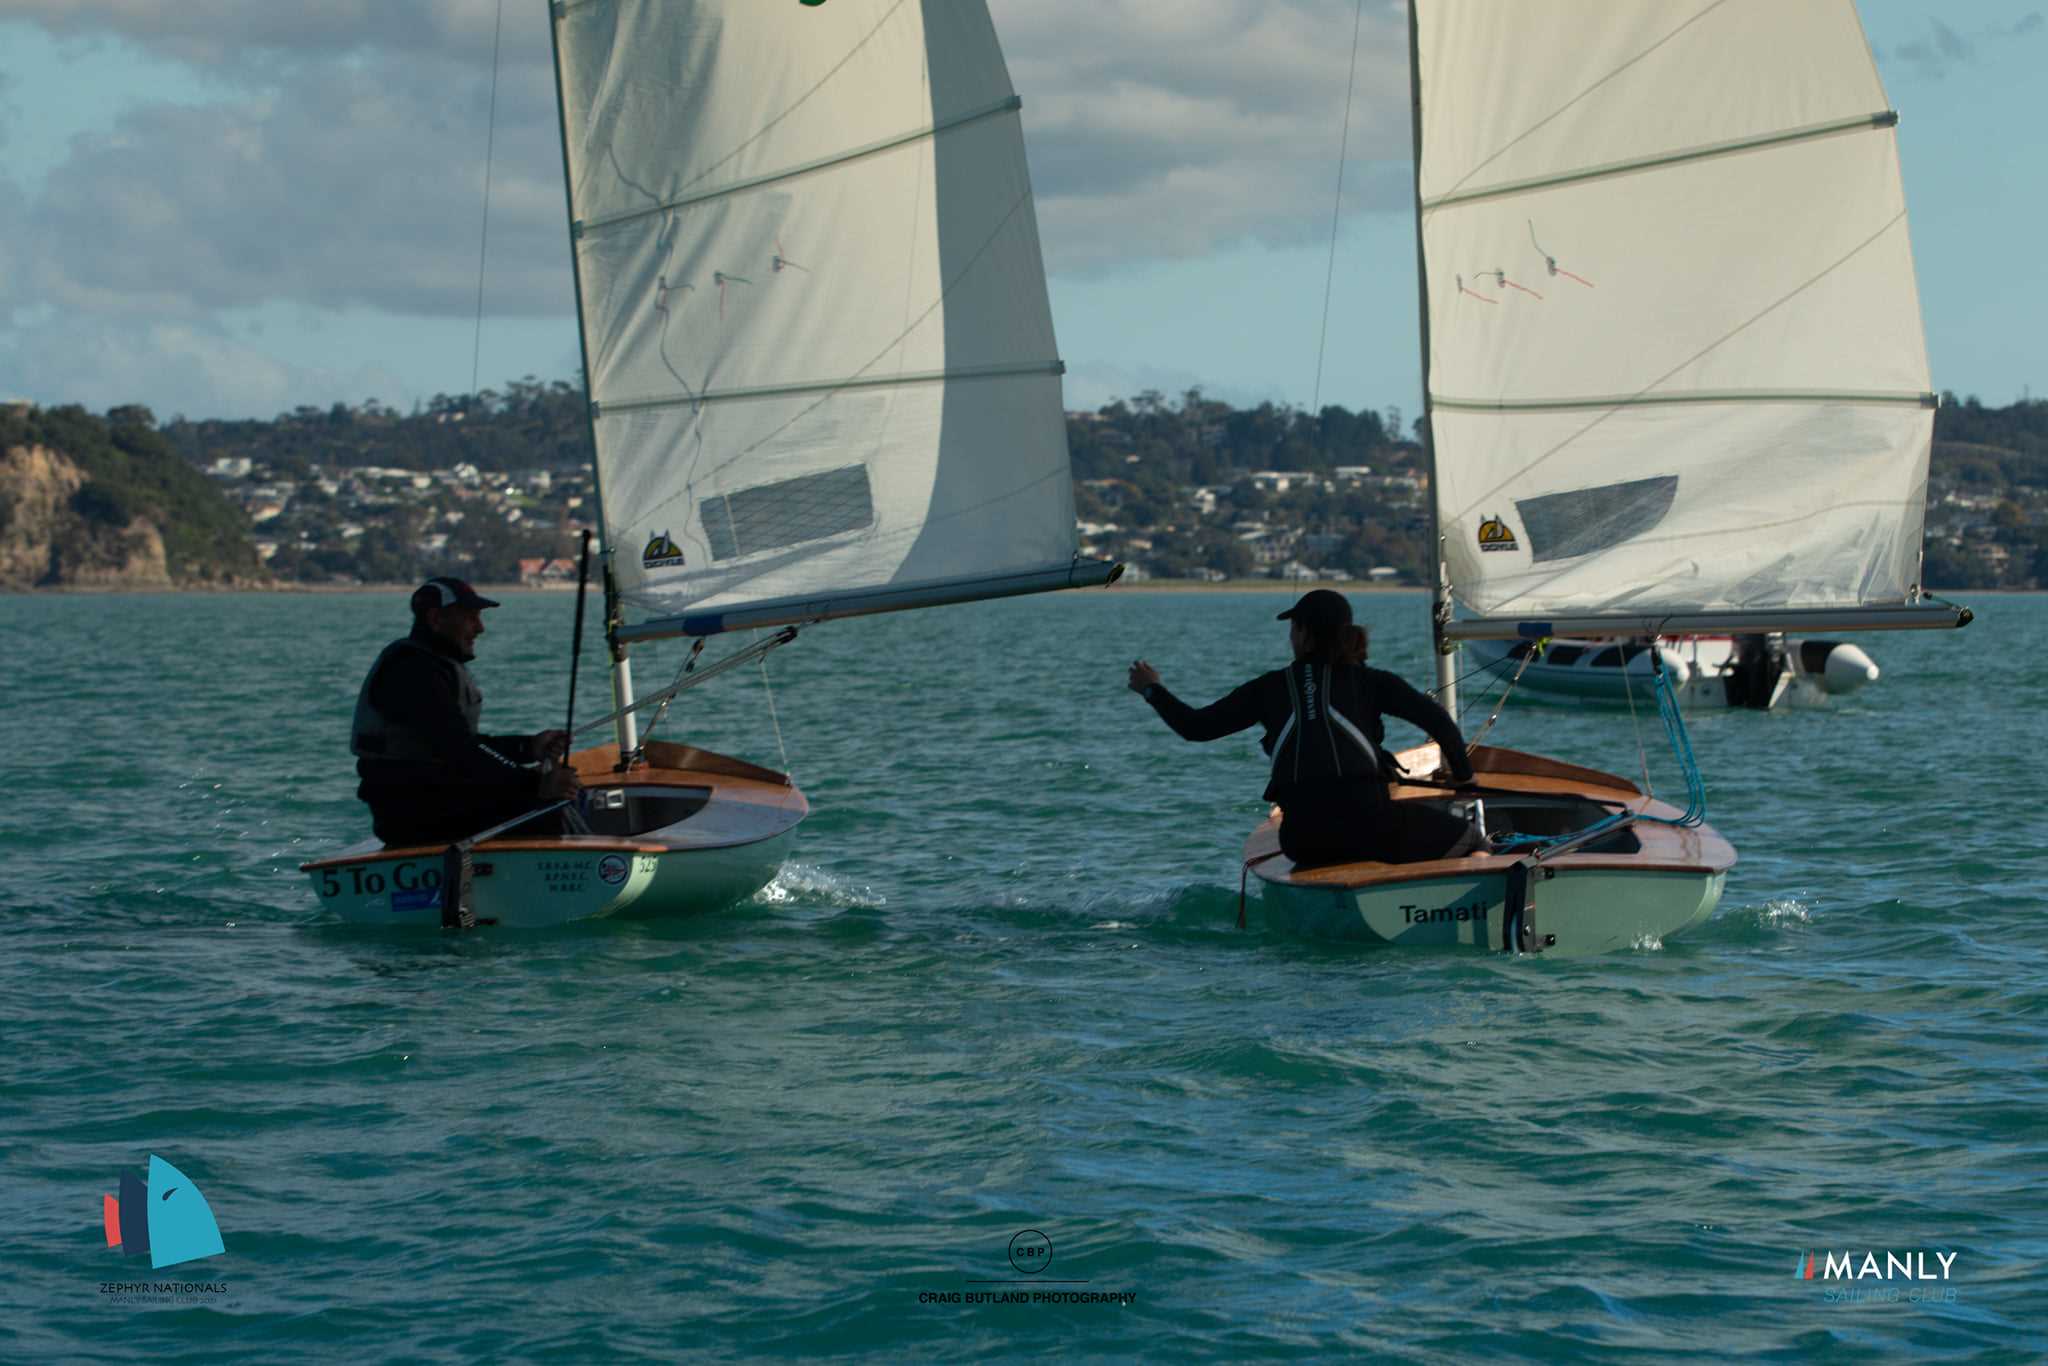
column 1318, row 746
column 374, row 735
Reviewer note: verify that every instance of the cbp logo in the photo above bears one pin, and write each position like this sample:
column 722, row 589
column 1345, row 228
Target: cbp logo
column 165, row 1217
column 1494, row 535
column 661, row 552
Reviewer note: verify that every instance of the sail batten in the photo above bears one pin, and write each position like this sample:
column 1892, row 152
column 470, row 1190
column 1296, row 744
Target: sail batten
column 1907, row 398
column 825, row 386
column 820, row 353
column 1673, row 345
column 1661, row 160
column 1005, row 106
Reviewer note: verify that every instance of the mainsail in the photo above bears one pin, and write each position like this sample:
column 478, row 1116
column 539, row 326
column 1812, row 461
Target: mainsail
column 817, row 340
column 1674, row 359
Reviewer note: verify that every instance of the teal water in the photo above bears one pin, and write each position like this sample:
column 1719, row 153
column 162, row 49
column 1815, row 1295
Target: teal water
column 1000, row 988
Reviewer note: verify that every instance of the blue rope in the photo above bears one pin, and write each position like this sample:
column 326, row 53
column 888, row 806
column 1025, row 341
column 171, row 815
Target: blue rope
column 1695, row 811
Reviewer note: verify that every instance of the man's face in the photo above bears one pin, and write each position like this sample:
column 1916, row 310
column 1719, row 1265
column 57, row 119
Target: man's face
column 459, row 626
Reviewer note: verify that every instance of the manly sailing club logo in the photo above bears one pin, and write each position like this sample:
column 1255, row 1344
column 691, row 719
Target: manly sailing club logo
column 1494, row 535
column 1848, row 1266
column 165, row 1218
column 661, row 552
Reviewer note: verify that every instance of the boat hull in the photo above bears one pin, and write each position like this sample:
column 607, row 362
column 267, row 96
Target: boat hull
column 1632, row 888
column 1586, row 911
column 725, row 829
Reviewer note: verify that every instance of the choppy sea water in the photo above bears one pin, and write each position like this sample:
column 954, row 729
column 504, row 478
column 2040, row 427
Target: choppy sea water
column 1000, row 989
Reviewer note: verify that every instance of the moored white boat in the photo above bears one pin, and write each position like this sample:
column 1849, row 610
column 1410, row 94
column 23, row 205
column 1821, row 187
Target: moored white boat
column 688, row 830
column 1634, row 886
column 1706, row 672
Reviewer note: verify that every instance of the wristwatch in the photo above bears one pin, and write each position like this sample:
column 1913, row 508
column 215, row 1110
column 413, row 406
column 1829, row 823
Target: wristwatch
column 1149, row 691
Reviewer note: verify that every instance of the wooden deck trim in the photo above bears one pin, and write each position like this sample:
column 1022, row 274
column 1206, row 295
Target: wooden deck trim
column 598, row 766
column 1666, row 848
column 732, row 782
column 579, row 844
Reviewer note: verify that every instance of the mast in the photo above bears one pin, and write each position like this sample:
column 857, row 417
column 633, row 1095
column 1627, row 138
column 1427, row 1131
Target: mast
column 622, row 668
column 1439, row 582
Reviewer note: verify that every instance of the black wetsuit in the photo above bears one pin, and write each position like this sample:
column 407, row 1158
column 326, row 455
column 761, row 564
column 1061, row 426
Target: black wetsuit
column 426, row 773
column 1325, row 730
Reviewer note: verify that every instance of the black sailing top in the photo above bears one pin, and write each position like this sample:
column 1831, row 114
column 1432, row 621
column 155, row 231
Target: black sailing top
column 1324, row 723
column 416, row 726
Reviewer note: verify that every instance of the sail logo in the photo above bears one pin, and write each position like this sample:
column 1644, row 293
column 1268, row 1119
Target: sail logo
column 1494, row 535
column 164, row 1217
column 661, row 552
column 1909, row 1266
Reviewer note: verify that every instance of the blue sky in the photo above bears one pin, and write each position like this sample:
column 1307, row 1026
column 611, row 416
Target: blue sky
column 234, row 207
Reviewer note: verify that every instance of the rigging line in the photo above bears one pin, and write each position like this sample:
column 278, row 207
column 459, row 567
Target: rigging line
column 476, row 353
column 1536, row 649
column 1558, row 112
column 1337, row 207
column 1628, row 691
column 774, row 718
column 689, row 663
column 1787, row 297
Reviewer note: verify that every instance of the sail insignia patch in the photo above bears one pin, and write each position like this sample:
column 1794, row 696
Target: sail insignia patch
column 1494, row 535
column 661, row 552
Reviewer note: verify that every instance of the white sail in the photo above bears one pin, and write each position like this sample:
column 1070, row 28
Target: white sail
column 1675, row 359
column 818, row 343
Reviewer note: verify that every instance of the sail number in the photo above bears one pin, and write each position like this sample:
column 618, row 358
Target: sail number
column 405, row 877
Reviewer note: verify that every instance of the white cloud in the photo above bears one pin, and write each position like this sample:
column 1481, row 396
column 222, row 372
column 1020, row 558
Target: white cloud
column 1155, row 131
column 329, row 158
column 171, row 367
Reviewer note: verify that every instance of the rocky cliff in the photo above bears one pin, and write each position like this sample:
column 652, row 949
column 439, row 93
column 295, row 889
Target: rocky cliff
column 46, row 541
column 93, row 503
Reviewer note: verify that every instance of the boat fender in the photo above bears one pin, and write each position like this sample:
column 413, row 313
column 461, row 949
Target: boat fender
column 1843, row 667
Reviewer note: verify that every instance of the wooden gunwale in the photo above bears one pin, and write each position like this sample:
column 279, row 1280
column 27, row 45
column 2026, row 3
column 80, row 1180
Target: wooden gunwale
column 1665, row 848
column 733, row 783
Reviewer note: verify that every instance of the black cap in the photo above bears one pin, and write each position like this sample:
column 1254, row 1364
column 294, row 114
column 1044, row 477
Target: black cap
column 446, row 592
column 1319, row 609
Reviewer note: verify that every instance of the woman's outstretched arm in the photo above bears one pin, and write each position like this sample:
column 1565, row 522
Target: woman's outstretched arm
column 1233, row 713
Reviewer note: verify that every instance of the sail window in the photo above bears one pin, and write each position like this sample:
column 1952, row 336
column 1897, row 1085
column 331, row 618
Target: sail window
column 789, row 512
column 1564, row 525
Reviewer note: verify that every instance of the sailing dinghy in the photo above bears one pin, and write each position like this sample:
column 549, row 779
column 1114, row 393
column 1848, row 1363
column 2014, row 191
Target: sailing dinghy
column 822, row 383
column 1675, row 384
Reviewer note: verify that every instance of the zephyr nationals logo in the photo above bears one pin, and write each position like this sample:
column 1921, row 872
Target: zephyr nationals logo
column 166, row 1218
column 1494, row 535
column 661, row 552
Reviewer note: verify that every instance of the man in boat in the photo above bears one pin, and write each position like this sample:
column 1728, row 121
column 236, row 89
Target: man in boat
column 1324, row 727
column 427, row 775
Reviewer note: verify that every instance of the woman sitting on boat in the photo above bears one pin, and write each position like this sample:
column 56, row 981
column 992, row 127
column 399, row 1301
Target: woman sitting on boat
column 1323, row 718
